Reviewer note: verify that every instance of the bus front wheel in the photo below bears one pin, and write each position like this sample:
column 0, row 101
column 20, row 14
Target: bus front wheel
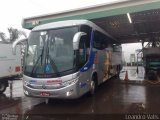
column 2, row 87
column 93, row 85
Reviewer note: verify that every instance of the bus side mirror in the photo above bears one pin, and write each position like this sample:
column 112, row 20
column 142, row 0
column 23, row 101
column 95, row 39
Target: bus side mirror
column 76, row 39
column 15, row 44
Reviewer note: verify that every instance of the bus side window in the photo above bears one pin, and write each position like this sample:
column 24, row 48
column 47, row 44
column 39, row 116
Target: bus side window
column 82, row 51
column 99, row 41
column 86, row 29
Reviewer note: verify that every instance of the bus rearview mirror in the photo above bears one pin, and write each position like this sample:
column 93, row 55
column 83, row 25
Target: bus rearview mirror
column 15, row 44
column 76, row 39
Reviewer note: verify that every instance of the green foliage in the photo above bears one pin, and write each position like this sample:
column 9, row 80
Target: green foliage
column 14, row 34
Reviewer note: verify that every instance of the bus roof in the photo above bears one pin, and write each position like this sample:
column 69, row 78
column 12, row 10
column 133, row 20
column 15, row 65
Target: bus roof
column 68, row 23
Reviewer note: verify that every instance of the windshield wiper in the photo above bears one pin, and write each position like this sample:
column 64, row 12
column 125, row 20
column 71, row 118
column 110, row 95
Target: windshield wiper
column 67, row 70
column 41, row 55
column 53, row 64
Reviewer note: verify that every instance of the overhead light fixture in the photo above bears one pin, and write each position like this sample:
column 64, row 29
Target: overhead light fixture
column 129, row 18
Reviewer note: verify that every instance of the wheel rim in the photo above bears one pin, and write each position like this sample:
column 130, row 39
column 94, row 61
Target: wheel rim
column 2, row 87
column 92, row 87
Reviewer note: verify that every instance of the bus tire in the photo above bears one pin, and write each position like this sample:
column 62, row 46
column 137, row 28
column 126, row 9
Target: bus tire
column 2, row 87
column 93, row 85
column 146, row 71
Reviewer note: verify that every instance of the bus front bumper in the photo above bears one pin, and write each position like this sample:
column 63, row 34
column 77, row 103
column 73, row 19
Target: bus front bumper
column 68, row 92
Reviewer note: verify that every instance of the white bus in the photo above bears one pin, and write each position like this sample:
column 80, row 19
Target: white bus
column 67, row 59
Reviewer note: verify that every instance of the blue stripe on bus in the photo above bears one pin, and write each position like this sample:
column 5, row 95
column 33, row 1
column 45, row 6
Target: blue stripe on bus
column 90, row 62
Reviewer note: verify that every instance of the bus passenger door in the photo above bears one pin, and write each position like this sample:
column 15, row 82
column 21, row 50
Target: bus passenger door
column 102, row 66
column 84, row 70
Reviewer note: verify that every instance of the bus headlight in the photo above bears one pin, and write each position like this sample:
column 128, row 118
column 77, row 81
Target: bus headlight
column 26, row 83
column 26, row 92
column 69, row 82
column 69, row 93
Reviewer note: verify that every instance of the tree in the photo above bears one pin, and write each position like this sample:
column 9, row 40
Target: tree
column 2, row 36
column 14, row 34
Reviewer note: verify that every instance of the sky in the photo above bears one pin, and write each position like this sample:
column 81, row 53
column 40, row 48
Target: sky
column 13, row 11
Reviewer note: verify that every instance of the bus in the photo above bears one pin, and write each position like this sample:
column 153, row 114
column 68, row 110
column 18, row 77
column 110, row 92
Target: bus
column 67, row 59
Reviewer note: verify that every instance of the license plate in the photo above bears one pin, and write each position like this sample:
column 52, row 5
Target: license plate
column 45, row 94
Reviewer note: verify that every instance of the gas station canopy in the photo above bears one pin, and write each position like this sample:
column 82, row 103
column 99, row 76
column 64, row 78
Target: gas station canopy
column 128, row 21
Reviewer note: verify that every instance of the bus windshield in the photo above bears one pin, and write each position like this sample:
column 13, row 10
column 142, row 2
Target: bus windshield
column 50, row 52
